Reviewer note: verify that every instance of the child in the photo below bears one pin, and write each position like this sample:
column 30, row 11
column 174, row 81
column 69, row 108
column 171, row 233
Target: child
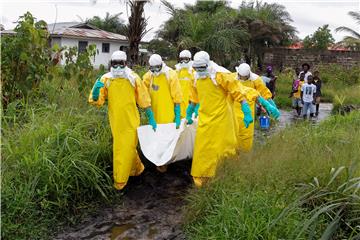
column 317, row 82
column 295, row 83
column 308, row 91
column 296, row 94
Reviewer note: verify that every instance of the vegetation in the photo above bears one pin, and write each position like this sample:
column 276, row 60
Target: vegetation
column 353, row 40
column 135, row 30
column 56, row 159
column 228, row 34
column 24, row 59
column 321, row 39
column 338, row 83
column 163, row 48
column 110, row 23
column 56, row 150
column 284, row 190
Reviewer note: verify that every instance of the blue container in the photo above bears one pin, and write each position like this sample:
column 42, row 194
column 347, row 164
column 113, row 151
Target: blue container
column 264, row 122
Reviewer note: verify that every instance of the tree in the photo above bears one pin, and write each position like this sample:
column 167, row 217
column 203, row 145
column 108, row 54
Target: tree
column 321, row 39
column 227, row 33
column 267, row 25
column 353, row 40
column 163, row 48
column 135, row 30
column 110, row 23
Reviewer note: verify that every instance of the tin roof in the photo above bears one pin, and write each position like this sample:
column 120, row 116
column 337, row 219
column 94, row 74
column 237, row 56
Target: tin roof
column 82, row 30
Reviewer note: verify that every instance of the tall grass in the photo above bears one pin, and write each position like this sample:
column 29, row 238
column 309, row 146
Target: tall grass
column 56, row 159
column 251, row 192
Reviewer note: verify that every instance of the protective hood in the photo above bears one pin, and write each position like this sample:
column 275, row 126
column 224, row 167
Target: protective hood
column 213, row 68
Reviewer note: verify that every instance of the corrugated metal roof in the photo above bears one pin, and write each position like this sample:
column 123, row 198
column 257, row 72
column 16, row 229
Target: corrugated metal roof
column 84, row 30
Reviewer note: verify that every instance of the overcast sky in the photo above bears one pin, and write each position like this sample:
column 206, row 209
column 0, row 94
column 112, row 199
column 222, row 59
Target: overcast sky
column 307, row 15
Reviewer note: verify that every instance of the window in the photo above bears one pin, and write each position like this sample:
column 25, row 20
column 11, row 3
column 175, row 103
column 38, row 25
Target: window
column 106, row 47
column 82, row 46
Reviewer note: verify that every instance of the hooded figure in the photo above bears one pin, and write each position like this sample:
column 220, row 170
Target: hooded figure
column 165, row 91
column 124, row 90
column 215, row 134
column 185, row 75
column 245, row 134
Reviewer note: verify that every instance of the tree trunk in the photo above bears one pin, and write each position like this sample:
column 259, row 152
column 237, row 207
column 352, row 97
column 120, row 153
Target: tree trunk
column 136, row 28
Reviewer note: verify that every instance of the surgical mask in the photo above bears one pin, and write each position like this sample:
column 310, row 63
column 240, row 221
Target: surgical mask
column 184, row 64
column 203, row 74
column 118, row 71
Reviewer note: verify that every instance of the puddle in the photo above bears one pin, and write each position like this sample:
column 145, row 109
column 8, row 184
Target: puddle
column 151, row 207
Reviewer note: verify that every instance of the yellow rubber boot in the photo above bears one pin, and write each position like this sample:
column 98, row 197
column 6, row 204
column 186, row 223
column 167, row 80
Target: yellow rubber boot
column 200, row 181
column 119, row 186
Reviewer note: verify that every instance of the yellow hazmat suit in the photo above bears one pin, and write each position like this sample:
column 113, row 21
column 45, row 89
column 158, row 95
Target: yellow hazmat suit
column 245, row 136
column 186, row 78
column 165, row 91
column 123, row 94
column 215, row 135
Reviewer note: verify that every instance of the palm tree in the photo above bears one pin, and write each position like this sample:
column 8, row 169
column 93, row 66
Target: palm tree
column 111, row 23
column 352, row 41
column 267, row 24
column 135, row 30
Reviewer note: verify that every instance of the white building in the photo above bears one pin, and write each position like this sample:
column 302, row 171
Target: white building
column 80, row 35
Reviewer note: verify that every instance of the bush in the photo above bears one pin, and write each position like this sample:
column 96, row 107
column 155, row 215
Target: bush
column 24, row 58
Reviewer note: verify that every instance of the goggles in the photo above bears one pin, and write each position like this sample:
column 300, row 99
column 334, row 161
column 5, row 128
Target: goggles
column 200, row 68
column 155, row 69
column 117, row 63
column 184, row 60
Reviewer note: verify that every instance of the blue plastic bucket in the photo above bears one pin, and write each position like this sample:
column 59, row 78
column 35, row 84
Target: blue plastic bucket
column 264, row 122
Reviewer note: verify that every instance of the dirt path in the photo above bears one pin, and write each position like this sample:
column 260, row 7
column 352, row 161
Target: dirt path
column 151, row 207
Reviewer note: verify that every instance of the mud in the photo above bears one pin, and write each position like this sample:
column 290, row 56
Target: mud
column 152, row 205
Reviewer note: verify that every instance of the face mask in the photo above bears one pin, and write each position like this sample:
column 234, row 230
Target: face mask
column 184, row 64
column 118, row 71
column 202, row 74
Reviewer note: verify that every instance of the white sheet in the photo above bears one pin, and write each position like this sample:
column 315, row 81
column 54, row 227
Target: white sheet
column 167, row 144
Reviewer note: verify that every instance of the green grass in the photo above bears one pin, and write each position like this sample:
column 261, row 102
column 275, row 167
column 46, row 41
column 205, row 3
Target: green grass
column 56, row 160
column 250, row 192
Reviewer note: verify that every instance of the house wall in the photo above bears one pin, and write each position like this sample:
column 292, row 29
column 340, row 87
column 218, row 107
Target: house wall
column 100, row 57
column 281, row 57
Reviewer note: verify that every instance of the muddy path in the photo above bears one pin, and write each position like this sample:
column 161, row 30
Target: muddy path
column 152, row 205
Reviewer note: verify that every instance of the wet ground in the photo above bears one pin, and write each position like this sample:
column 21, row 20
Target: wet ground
column 151, row 207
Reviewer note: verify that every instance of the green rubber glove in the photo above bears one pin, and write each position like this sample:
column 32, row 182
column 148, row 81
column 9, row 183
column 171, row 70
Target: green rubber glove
column 177, row 115
column 272, row 102
column 248, row 119
column 189, row 112
column 96, row 90
column 273, row 111
column 150, row 116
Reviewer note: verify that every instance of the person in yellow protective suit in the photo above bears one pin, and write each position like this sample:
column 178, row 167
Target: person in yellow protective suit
column 165, row 92
column 123, row 89
column 215, row 134
column 245, row 134
column 185, row 75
